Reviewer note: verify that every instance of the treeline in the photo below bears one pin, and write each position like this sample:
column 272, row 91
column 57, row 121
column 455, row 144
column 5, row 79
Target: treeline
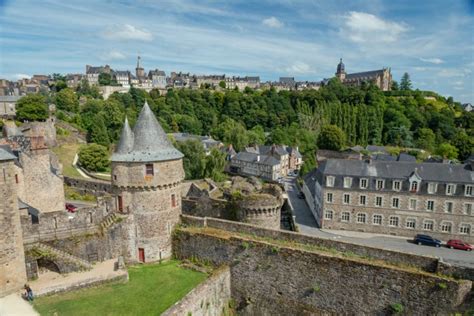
column 365, row 115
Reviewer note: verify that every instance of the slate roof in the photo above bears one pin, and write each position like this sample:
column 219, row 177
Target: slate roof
column 435, row 172
column 5, row 155
column 156, row 73
column 310, row 180
column 121, row 72
column 150, row 142
column 365, row 74
column 252, row 158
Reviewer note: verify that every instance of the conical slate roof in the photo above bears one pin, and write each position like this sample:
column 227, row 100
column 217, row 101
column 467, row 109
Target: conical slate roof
column 148, row 141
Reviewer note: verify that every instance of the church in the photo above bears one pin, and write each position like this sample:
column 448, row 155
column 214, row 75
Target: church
column 381, row 78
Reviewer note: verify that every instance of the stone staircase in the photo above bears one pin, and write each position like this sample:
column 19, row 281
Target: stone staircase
column 62, row 255
column 108, row 221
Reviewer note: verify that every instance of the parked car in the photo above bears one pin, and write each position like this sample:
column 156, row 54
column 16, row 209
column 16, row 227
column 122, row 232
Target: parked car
column 71, row 207
column 426, row 240
column 459, row 244
column 301, row 195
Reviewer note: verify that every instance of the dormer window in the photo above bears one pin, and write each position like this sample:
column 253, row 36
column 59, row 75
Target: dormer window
column 397, row 185
column 347, row 182
column 363, row 183
column 414, row 186
column 415, row 181
column 450, row 189
column 432, row 187
column 379, row 184
column 329, row 181
column 149, row 169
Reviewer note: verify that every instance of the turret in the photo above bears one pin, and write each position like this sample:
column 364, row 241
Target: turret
column 147, row 172
column 341, row 71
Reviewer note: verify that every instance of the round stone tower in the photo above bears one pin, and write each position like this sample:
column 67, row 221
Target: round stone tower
column 147, row 172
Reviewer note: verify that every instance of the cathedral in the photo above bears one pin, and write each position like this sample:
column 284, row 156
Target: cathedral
column 381, row 78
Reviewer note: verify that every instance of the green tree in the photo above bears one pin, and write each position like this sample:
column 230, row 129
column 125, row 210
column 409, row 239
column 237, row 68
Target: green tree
column 405, row 82
column 222, row 84
column 94, row 157
column 32, row 107
column 105, row 79
column 426, row 139
column 464, row 144
column 447, row 151
column 194, row 161
column 395, row 86
column 215, row 163
column 332, row 138
column 256, row 136
column 66, row 100
column 98, row 132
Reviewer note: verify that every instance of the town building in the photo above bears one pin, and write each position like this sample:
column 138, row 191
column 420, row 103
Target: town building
column 242, row 82
column 73, row 80
column 122, row 77
column 92, row 73
column 207, row 141
column 381, row 78
column 8, row 105
column 394, row 197
column 266, row 162
column 158, row 78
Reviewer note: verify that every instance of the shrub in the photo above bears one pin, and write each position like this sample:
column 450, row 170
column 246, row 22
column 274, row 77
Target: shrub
column 396, row 308
column 94, row 157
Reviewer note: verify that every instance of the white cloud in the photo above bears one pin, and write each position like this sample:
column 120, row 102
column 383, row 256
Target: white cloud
column 112, row 55
column 272, row 22
column 299, row 68
column 436, row 61
column 126, row 32
column 21, row 76
column 450, row 73
column 363, row 27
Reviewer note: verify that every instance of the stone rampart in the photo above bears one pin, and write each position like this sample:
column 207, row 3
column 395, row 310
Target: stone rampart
column 91, row 186
column 423, row 262
column 274, row 279
column 209, row 298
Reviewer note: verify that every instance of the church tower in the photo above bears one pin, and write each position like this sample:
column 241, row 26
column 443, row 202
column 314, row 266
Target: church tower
column 341, row 71
column 139, row 71
column 147, row 172
column 12, row 254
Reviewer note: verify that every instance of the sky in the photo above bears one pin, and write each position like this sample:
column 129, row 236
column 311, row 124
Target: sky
column 431, row 40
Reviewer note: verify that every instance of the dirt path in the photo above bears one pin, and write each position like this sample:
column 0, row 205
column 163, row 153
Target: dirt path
column 14, row 305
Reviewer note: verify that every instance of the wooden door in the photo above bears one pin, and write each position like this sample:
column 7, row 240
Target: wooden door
column 141, row 254
column 120, row 203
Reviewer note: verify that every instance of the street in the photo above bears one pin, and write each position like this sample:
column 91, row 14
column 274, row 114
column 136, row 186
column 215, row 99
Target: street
column 307, row 225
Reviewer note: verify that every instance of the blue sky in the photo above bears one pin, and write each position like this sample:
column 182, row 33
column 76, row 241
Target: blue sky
column 431, row 40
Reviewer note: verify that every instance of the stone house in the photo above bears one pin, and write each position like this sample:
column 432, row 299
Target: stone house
column 92, row 73
column 207, row 141
column 395, row 197
column 242, row 82
column 122, row 77
column 158, row 78
column 381, row 78
column 8, row 105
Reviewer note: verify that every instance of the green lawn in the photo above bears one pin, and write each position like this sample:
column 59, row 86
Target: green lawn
column 151, row 290
column 66, row 155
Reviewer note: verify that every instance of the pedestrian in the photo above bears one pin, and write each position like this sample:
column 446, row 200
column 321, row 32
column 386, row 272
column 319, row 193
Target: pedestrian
column 28, row 293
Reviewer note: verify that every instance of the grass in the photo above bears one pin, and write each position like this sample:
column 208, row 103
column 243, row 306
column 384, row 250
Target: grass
column 152, row 289
column 66, row 155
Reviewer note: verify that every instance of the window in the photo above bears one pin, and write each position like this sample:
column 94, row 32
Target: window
column 329, row 181
column 115, row 177
column 379, row 184
column 361, row 218
column 363, row 183
column 16, row 179
column 430, row 205
column 55, row 222
column 149, row 169
column 469, row 190
column 346, row 199
column 377, row 219
column 468, row 209
column 91, row 219
column 464, row 229
column 362, row 199
column 428, row 225
column 378, row 201
column 395, row 202
column 448, row 207
column 347, row 182
column 412, row 204
column 345, row 217
column 120, row 203
column 394, row 220
column 397, row 185
column 328, row 214
column 410, row 223
column 446, row 227
column 329, row 197
column 432, row 188
column 450, row 189
column 414, row 186
column 173, row 200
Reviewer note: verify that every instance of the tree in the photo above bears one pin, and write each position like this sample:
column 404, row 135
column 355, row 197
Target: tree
column 215, row 163
column 105, row 79
column 222, row 84
column 395, row 86
column 256, row 136
column 66, row 100
column 94, row 157
column 194, row 161
column 331, row 137
column 405, row 82
column 426, row 139
column 464, row 144
column 98, row 132
column 32, row 107
column 447, row 151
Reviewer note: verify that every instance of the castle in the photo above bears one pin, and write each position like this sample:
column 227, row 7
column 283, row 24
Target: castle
column 381, row 78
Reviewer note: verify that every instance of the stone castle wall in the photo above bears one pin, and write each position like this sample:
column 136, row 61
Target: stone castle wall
column 46, row 129
column 12, row 261
column 279, row 280
column 90, row 186
column 209, row 298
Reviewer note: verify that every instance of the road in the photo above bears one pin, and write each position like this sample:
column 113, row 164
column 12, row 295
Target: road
column 307, row 225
